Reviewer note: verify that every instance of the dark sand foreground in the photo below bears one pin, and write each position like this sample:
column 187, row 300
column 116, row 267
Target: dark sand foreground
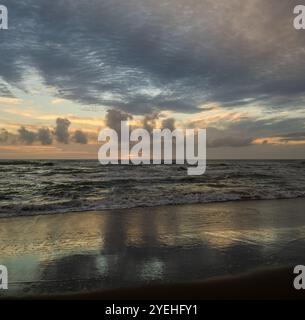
column 262, row 285
column 220, row 250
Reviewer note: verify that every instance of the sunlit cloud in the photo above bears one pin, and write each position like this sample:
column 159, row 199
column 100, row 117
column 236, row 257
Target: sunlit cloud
column 279, row 141
column 20, row 112
column 58, row 101
column 9, row 101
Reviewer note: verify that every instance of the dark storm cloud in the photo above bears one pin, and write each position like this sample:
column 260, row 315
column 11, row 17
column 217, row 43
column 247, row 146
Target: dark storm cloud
column 230, row 142
column 4, row 135
column 114, row 117
column 62, row 130
column 26, row 136
column 8, row 138
column 169, row 123
column 295, row 136
column 243, row 133
column 80, row 137
column 149, row 121
column 44, row 135
column 4, row 90
column 266, row 127
column 143, row 55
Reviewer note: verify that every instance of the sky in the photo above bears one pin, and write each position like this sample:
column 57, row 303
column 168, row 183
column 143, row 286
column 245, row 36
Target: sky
column 69, row 68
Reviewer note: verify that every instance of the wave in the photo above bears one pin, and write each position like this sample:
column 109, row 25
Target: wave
column 45, row 187
column 85, row 205
column 25, row 163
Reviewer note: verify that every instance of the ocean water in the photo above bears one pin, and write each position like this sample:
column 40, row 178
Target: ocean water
column 46, row 187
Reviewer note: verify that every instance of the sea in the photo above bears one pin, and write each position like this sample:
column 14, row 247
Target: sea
column 59, row 186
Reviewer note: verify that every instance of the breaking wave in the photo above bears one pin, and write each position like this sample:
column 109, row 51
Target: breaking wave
column 47, row 187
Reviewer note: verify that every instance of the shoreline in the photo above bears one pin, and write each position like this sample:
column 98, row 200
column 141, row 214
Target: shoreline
column 101, row 251
column 144, row 208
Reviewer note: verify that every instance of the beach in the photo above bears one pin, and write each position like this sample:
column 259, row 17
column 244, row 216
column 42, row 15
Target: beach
column 152, row 149
column 115, row 250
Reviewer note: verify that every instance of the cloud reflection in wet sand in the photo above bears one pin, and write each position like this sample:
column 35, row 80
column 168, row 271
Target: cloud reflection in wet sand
column 95, row 250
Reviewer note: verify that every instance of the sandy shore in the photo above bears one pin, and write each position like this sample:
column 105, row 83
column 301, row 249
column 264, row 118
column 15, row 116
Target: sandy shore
column 123, row 251
column 262, row 284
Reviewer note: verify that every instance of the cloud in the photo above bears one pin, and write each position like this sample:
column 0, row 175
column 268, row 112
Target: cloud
column 295, row 136
column 247, row 131
column 9, row 101
column 4, row 135
column 140, row 56
column 114, row 117
column 26, row 136
column 58, row 101
column 5, row 91
column 62, row 130
column 290, row 138
column 169, row 123
column 149, row 121
column 80, row 137
column 44, row 135
column 230, row 142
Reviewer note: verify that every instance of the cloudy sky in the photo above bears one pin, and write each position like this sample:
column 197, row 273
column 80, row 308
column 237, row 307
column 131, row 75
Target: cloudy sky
column 71, row 67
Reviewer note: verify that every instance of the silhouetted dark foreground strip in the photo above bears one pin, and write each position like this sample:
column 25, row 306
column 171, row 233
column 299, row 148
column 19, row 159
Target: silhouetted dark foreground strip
column 265, row 284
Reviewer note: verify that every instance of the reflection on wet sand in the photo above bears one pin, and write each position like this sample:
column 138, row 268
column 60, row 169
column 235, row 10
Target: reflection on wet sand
column 115, row 249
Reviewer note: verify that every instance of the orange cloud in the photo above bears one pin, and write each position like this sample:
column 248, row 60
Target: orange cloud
column 278, row 141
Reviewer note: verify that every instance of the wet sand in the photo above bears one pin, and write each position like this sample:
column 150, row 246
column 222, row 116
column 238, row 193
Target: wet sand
column 108, row 252
column 273, row 283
